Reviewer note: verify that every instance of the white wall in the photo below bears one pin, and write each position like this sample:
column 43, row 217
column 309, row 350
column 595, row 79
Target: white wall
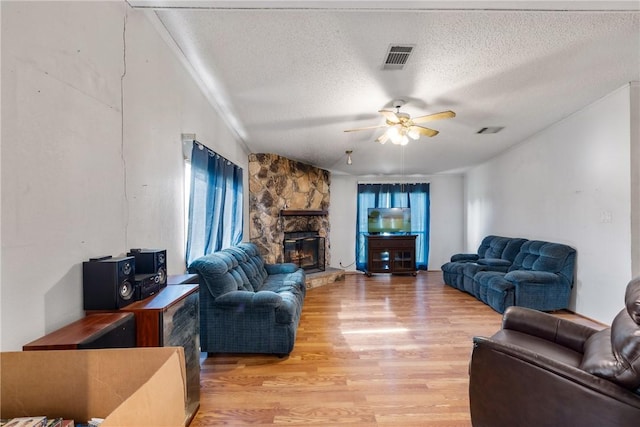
column 635, row 178
column 153, row 122
column 447, row 205
column 568, row 184
column 93, row 106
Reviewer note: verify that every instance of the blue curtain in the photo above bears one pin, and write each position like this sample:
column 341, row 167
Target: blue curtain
column 215, row 203
column 413, row 196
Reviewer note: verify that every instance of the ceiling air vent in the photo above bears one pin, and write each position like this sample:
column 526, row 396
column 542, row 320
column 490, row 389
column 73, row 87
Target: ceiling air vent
column 493, row 129
column 397, row 57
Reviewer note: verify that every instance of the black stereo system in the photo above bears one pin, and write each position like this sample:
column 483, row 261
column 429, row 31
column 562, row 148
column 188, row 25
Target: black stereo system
column 151, row 261
column 112, row 283
column 147, row 285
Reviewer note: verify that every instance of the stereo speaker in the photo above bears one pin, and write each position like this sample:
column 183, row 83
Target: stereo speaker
column 151, row 261
column 108, row 283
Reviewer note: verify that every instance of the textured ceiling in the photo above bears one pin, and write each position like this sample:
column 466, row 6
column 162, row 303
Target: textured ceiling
column 295, row 75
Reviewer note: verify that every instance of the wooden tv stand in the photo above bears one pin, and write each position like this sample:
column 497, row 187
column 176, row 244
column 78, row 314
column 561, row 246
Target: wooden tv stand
column 391, row 254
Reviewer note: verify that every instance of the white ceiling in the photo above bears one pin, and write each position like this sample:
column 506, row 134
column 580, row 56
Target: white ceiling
column 293, row 75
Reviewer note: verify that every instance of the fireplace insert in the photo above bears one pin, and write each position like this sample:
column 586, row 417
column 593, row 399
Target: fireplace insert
column 305, row 249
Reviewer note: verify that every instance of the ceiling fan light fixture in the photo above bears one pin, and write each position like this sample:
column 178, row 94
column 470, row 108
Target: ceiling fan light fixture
column 396, row 134
column 393, row 132
column 413, row 134
column 401, row 126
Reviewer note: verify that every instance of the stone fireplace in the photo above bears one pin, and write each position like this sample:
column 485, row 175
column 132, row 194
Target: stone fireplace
column 287, row 197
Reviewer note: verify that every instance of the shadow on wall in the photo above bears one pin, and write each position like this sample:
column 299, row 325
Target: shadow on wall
column 63, row 302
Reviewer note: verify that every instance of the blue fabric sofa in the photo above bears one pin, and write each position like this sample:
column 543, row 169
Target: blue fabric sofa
column 540, row 277
column 247, row 306
column 495, row 253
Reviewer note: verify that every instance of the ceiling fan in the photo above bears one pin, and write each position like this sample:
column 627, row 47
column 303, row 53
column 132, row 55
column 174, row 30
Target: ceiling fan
column 400, row 126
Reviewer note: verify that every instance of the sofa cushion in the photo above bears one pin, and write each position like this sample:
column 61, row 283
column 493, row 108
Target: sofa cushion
column 245, row 280
column 513, row 248
column 482, row 279
column 496, row 247
column 494, row 262
column 254, row 276
column 485, row 245
column 543, row 256
column 254, row 267
column 214, row 269
column 452, row 273
column 238, row 279
column 239, row 257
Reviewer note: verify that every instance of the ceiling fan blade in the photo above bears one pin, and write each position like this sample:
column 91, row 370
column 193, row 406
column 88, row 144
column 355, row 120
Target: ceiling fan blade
column 435, row 116
column 424, row 131
column 366, row 128
column 382, row 138
column 390, row 116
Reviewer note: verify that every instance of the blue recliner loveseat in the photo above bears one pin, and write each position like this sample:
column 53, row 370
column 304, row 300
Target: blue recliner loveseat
column 495, row 253
column 541, row 277
column 247, row 306
column 527, row 273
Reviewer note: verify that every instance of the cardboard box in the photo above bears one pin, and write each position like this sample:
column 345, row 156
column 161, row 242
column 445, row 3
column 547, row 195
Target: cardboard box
column 126, row 387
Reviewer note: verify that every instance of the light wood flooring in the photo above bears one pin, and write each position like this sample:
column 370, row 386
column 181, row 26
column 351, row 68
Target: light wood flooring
column 370, row 351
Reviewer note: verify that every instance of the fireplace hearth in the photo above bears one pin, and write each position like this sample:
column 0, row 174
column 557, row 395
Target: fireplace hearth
column 305, row 249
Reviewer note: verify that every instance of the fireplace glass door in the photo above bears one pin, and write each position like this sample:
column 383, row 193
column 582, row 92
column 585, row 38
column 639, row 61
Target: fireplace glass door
column 305, row 249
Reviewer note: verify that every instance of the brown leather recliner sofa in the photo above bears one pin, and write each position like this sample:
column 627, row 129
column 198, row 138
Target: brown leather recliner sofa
column 540, row 370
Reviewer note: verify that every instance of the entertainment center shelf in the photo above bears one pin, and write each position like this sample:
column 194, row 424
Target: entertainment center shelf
column 391, row 254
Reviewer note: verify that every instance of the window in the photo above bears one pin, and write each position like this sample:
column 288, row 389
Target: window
column 413, row 196
column 215, row 203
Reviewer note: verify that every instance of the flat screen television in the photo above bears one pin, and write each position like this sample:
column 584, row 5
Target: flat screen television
column 388, row 220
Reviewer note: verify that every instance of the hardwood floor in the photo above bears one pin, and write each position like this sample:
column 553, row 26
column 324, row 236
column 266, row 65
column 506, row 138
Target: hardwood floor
column 370, row 351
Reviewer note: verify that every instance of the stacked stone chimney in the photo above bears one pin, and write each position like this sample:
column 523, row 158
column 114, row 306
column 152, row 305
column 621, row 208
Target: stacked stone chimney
column 278, row 184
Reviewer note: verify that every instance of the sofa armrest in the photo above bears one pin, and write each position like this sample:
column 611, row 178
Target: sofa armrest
column 247, row 299
column 464, row 257
column 281, row 268
column 546, row 326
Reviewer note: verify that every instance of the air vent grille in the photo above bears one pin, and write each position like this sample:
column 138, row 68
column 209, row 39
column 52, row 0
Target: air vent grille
column 491, row 129
column 397, row 57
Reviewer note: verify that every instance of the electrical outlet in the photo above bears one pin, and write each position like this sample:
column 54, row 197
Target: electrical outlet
column 606, row 217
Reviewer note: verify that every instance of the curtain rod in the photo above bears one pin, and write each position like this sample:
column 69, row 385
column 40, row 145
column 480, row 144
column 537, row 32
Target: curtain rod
column 392, row 183
column 210, row 151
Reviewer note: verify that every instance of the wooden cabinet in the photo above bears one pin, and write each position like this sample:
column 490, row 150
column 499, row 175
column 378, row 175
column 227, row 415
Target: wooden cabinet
column 391, row 254
column 182, row 279
column 172, row 318
column 99, row 330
